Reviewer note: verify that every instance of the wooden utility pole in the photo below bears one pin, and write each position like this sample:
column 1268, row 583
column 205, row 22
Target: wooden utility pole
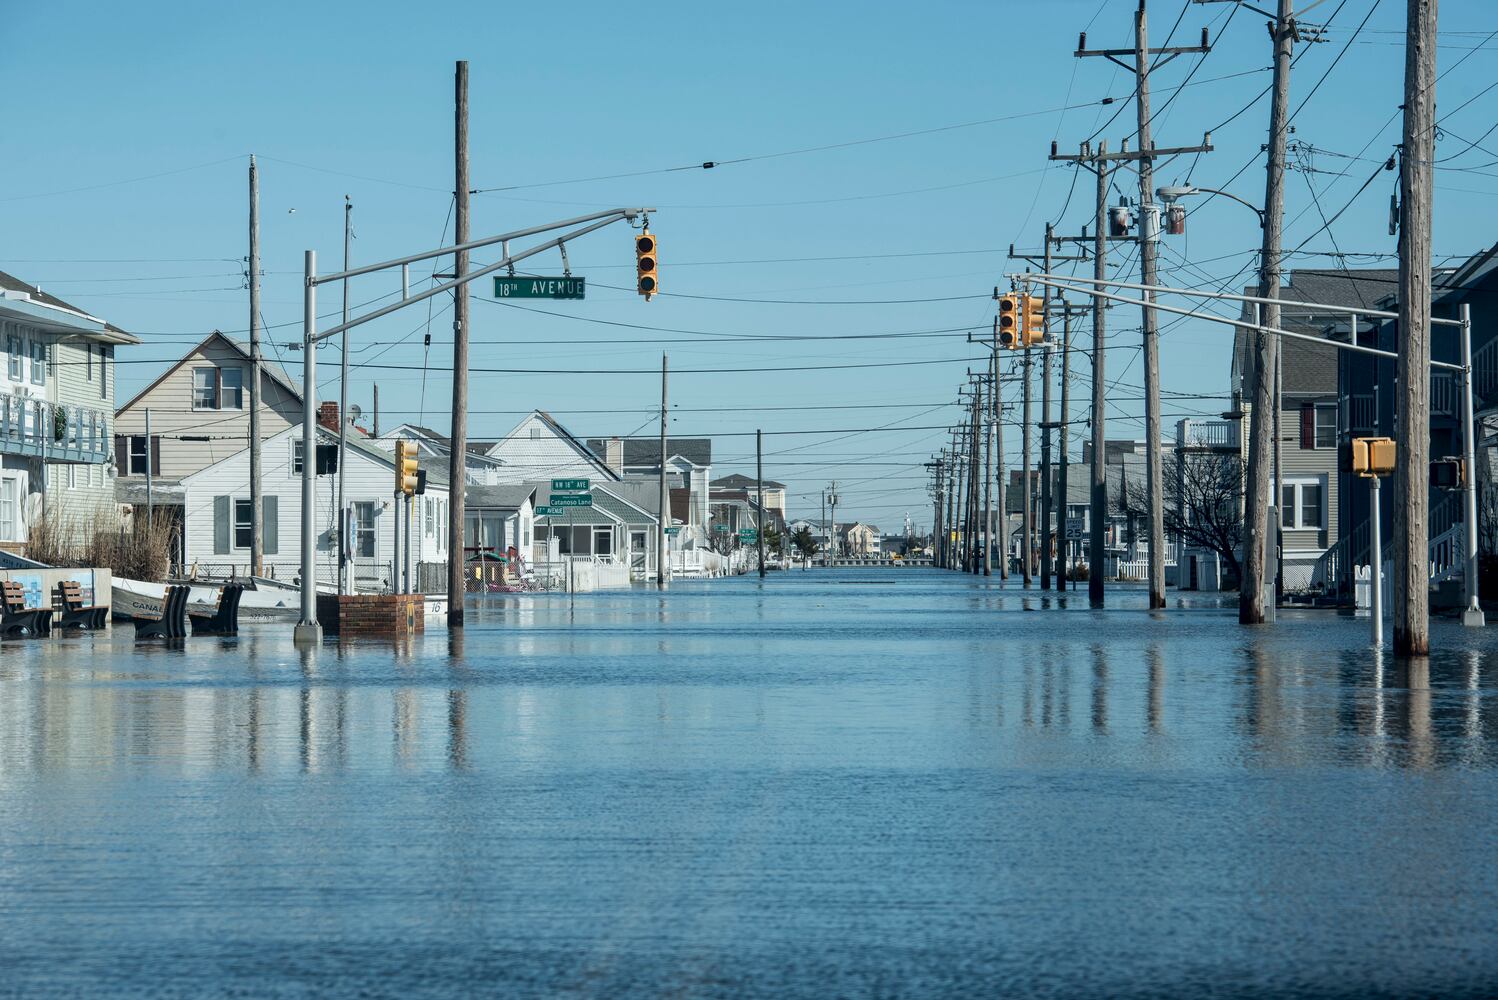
column 759, row 485
column 663, row 540
column 1412, row 399
column 1097, row 554
column 936, row 521
column 1262, row 419
column 1001, row 476
column 1063, row 425
column 459, row 437
column 1045, row 423
column 986, row 417
column 975, row 503
column 1027, row 526
column 1141, row 55
column 257, row 504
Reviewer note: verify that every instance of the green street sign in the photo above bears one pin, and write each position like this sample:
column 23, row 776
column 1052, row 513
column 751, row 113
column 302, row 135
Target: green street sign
column 571, row 500
column 748, row 535
column 539, row 288
column 566, row 485
column 721, row 529
column 543, row 511
column 674, row 530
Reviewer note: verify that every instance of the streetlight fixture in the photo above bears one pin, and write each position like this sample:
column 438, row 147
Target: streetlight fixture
column 1173, row 193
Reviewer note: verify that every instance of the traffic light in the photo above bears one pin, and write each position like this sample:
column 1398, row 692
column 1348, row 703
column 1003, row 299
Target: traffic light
column 1374, row 456
column 645, row 264
column 1448, row 473
column 1032, row 322
column 405, row 467
column 1010, row 332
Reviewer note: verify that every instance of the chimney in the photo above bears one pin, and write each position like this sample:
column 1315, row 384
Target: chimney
column 613, row 455
column 327, row 416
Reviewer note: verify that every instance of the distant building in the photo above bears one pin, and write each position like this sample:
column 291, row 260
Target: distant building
column 774, row 493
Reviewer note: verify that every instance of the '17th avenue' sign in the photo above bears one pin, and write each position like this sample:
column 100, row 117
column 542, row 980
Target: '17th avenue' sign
column 540, row 288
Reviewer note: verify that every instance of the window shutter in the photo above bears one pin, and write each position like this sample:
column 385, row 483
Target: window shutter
column 121, row 455
column 1308, row 426
column 221, row 525
column 270, row 524
column 155, row 454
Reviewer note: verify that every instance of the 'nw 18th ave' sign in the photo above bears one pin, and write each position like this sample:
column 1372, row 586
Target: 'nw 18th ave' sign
column 540, row 288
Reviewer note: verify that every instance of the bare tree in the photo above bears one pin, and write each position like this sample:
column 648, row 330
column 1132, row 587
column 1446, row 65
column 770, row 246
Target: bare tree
column 1204, row 502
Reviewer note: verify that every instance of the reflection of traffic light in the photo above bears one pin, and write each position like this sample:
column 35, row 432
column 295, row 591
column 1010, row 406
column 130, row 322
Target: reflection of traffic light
column 405, row 467
column 1032, row 322
column 645, row 265
column 1010, row 334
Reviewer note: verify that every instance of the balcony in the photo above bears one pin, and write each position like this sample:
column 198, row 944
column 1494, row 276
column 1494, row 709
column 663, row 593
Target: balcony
column 56, row 432
column 1208, row 435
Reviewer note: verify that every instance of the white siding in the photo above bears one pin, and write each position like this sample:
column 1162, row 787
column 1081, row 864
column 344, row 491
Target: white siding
column 533, row 452
column 368, row 480
column 172, row 415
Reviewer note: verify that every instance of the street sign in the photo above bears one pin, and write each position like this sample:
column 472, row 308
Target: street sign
column 748, row 535
column 1074, row 529
column 721, row 529
column 543, row 511
column 571, row 500
column 569, row 485
column 540, row 288
column 675, row 529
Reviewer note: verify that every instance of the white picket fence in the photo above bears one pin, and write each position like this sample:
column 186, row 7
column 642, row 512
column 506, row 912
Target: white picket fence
column 1446, row 563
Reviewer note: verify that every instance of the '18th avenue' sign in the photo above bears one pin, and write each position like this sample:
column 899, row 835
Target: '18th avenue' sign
column 540, row 288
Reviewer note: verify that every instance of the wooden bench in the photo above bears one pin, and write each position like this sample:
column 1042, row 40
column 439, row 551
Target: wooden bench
column 74, row 613
column 225, row 619
column 16, row 619
column 173, row 621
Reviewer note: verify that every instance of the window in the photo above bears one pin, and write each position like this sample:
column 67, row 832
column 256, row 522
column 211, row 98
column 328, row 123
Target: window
column 535, row 433
column 72, row 476
column 15, row 351
column 38, row 363
column 296, row 459
column 88, row 361
column 364, row 530
column 231, row 388
column 603, row 541
column 1326, row 426
column 103, row 372
column 1301, row 505
column 140, row 456
column 243, row 512
column 9, row 508
column 205, row 388
column 429, row 517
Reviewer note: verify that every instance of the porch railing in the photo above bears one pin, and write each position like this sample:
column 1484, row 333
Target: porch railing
column 58, row 432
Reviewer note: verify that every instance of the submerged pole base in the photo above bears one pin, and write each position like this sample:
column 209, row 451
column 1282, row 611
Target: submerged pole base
column 307, row 633
column 1474, row 618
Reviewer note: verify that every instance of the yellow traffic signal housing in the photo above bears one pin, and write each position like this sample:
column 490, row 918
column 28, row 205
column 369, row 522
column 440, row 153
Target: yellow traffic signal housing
column 646, row 265
column 405, row 467
column 1010, row 334
column 1033, row 321
column 1373, row 456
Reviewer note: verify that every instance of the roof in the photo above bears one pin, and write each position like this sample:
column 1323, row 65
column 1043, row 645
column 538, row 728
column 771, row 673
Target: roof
column 646, row 451
column 10, row 283
column 737, row 481
column 584, row 452
column 504, row 497
column 267, row 367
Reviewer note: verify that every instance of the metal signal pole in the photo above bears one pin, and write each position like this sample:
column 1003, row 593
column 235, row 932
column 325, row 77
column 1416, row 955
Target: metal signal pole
column 257, row 503
column 663, row 539
column 759, row 476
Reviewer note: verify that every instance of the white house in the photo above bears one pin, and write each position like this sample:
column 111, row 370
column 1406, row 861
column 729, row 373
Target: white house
column 435, row 448
column 57, row 380
column 216, row 501
column 540, row 448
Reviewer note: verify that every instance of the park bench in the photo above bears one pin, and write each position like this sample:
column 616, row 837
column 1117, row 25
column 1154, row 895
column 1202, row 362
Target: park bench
column 16, row 619
column 173, row 621
column 73, row 613
column 225, row 619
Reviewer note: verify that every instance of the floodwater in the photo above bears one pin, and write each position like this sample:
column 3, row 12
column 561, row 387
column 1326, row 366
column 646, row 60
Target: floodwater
column 838, row 783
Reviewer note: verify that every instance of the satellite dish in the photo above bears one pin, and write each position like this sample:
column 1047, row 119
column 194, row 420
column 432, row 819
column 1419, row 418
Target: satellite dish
column 354, row 413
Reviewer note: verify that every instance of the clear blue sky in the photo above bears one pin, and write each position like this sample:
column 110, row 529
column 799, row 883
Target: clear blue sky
column 123, row 190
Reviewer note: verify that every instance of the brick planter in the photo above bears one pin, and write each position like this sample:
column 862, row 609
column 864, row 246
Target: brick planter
column 372, row 616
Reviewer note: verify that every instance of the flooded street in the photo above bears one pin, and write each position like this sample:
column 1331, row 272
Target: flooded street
column 878, row 782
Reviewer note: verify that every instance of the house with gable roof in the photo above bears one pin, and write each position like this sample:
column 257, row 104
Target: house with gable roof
column 57, row 385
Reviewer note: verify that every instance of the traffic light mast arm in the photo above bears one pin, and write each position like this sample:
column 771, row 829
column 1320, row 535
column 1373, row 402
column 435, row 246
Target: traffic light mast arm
column 597, row 220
